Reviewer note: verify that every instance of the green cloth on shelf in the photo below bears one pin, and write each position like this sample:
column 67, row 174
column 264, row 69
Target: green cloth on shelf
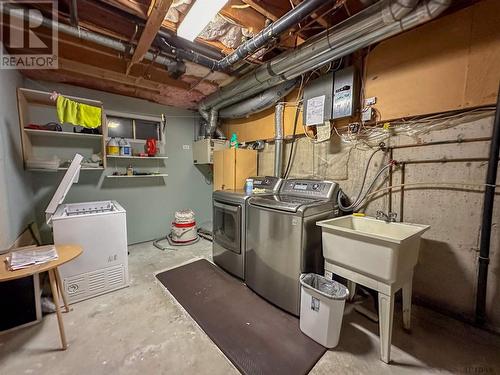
column 76, row 113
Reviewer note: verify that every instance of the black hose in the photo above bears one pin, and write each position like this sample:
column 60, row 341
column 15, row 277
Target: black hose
column 288, row 165
column 489, row 199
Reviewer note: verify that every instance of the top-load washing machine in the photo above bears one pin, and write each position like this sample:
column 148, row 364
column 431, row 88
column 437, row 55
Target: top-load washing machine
column 229, row 224
column 283, row 240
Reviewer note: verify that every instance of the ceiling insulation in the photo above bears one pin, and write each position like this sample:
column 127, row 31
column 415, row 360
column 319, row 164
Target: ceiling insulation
column 177, row 10
column 220, row 29
column 225, row 31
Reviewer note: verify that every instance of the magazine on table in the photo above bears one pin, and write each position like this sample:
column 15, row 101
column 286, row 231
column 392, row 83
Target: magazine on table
column 32, row 256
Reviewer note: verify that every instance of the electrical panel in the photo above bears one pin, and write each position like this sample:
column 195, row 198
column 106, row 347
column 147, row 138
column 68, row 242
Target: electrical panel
column 343, row 93
column 331, row 96
column 318, row 100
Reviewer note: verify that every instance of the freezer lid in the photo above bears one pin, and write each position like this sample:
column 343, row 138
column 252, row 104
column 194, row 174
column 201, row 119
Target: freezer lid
column 70, row 177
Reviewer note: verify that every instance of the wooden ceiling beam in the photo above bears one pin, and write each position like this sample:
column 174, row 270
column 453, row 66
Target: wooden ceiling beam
column 136, row 8
column 105, row 74
column 163, row 94
column 153, row 24
column 264, row 9
column 314, row 15
column 248, row 17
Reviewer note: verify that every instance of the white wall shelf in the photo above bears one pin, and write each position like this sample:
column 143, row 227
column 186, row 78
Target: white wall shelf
column 159, row 157
column 62, row 169
column 140, row 176
column 49, row 133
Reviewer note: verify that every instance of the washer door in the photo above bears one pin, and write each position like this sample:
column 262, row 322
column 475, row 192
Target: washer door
column 227, row 226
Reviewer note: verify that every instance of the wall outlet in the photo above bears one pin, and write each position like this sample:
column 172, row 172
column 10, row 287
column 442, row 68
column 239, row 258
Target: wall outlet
column 370, row 101
column 186, row 147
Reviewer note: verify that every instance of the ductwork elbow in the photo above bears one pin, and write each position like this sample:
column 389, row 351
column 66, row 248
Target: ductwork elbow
column 212, row 122
column 395, row 10
column 426, row 12
column 432, row 9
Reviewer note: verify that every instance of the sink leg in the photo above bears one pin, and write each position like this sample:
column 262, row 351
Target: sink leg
column 351, row 286
column 407, row 290
column 385, row 312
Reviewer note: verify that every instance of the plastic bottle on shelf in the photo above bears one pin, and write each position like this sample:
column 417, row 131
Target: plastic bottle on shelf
column 234, row 141
column 124, row 147
column 113, row 147
column 128, row 148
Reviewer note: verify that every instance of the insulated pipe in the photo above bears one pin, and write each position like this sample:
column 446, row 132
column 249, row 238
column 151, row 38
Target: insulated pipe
column 276, row 28
column 177, row 42
column 278, row 139
column 258, row 103
column 489, row 199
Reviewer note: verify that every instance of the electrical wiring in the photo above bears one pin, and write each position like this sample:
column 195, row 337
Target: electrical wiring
column 413, row 127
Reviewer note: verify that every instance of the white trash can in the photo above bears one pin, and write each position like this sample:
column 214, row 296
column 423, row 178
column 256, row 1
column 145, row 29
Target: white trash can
column 322, row 308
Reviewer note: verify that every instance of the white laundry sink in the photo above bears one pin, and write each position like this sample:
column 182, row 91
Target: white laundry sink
column 378, row 249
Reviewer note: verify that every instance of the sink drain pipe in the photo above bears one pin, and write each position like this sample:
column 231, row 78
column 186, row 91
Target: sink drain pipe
column 489, row 200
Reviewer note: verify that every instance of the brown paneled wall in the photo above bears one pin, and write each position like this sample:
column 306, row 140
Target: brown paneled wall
column 261, row 125
column 448, row 64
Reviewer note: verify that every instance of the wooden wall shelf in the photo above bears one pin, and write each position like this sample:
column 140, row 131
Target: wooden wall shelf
column 33, row 138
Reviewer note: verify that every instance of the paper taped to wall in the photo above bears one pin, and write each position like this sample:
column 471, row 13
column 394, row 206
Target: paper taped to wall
column 323, row 131
column 315, row 110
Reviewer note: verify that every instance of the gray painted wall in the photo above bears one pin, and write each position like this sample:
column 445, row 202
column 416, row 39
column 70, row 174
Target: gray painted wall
column 16, row 197
column 446, row 274
column 150, row 202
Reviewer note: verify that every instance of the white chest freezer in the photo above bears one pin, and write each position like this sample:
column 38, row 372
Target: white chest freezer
column 101, row 229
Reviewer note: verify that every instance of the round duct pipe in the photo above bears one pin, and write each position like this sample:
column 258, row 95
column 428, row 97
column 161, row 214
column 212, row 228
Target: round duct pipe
column 377, row 22
column 258, row 103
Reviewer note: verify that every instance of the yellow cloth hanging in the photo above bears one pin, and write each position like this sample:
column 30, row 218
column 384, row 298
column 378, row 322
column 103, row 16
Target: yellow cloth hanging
column 78, row 113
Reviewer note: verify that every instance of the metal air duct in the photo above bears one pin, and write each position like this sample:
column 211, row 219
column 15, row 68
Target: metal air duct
column 260, row 102
column 278, row 139
column 374, row 24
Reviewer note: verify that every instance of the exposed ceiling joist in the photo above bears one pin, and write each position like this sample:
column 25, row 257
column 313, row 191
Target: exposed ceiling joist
column 153, row 24
column 248, row 17
column 137, row 8
column 108, row 75
column 264, row 9
column 320, row 20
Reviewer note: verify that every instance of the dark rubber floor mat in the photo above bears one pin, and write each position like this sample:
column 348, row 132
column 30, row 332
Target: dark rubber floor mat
column 257, row 337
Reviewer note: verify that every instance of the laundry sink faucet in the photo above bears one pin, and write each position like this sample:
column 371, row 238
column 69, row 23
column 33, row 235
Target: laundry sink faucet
column 389, row 217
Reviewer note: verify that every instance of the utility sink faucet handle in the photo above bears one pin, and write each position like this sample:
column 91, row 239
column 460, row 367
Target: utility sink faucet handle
column 389, row 217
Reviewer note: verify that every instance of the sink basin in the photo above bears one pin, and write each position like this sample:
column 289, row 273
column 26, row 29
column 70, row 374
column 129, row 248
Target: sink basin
column 375, row 248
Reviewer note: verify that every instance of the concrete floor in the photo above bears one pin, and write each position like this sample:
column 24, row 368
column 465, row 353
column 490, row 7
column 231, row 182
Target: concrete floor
column 139, row 330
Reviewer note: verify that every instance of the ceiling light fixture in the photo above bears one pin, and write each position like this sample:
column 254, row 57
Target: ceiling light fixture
column 199, row 16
